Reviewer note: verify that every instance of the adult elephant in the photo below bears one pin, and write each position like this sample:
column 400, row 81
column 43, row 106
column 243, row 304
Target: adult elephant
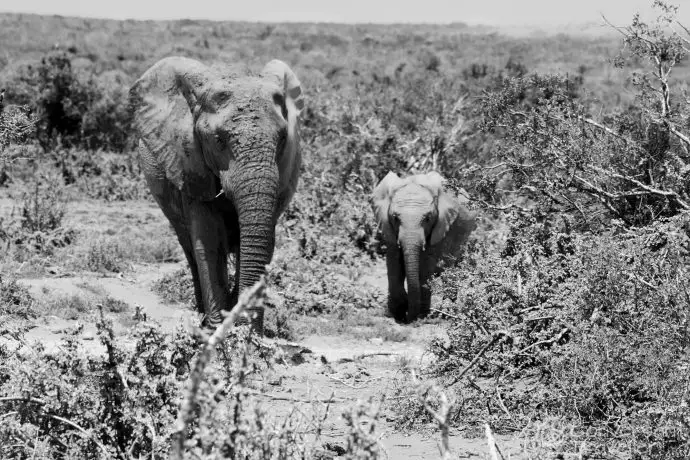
column 423, row 225
column 219, row 147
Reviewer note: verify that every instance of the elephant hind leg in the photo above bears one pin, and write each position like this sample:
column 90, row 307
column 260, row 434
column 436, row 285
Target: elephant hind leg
column 189, row 254
column 185, row 241
column 172, row 209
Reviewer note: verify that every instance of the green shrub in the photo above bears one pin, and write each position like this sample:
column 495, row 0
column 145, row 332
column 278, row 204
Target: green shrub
column 74, row 109
column 38, row 230
column 99, row 175
column 126, row 400
column 17, row 125
column 175, row 287
column 15, row 299
column 43, row 206
column 105, row 255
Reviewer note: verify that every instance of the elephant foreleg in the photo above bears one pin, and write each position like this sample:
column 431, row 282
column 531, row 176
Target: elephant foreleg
column 211, row 254
column 428, row 267
column 397, row 297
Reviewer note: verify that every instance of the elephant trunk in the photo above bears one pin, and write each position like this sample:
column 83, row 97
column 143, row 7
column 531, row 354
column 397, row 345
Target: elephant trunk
column 412, row 246
column 255, row 197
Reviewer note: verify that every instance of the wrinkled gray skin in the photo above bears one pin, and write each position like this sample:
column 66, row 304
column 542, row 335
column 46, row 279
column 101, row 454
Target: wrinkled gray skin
column 219, row 147
column 423, row 225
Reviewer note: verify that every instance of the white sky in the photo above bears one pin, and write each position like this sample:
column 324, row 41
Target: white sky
column 489, row 12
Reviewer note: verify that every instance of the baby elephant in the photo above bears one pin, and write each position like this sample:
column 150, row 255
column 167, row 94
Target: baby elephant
column 422, row 225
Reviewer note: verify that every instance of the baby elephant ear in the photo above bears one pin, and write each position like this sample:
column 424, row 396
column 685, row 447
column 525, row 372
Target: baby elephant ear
column 448, row 210
column 381, row 198
column 432, row 181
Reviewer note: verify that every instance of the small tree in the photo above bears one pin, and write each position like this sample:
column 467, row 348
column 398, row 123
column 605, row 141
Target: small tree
column 632, row 165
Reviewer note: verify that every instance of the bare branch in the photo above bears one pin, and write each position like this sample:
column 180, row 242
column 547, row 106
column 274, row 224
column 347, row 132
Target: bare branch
column 250, row 298
column 679, row 135
column 545, row 342
column 19, row 398
column 685, row 29
column 622, row 30
column 645, row 188
column 83, row 431
column 494, row 339
column 608, row 130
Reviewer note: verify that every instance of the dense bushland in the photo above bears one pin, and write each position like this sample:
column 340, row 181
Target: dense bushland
column 582, row 315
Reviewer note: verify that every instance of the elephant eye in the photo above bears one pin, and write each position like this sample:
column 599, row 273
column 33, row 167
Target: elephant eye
column 427, row 217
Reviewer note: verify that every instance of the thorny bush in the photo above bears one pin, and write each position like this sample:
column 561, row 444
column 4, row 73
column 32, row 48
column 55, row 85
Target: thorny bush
column 583, row 315
column 123, row 403
column 592, row 329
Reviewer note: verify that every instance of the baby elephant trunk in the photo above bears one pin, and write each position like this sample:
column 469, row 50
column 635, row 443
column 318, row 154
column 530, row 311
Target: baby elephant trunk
column 413, row 247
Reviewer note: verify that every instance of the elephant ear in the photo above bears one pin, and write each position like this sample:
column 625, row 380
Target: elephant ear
column 291, row 103
column 164, row 100
column 448, row 206
column 288, row 81
column 381, row 199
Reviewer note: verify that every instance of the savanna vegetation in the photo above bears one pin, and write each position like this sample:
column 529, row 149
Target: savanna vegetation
column 568, row 319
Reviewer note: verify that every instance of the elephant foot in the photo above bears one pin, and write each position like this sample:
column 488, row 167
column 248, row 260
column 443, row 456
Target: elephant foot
column 398, row 310
column 212, row 321
column 255, row 318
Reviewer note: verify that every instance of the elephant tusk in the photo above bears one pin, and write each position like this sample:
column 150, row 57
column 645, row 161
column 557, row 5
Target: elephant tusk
column 220, row 193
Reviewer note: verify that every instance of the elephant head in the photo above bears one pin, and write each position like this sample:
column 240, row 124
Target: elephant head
column 416, row 215
column 224, row 133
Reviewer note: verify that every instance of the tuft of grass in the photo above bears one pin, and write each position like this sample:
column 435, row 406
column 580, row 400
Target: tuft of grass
column 68, row 306
column 105, row 255
column 176, row 287
column 112, row 305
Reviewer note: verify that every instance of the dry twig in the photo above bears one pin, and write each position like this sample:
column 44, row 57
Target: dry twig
column 493, row 447
column 474, row 361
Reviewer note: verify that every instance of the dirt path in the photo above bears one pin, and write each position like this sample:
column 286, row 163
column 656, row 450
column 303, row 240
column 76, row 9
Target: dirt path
column 336, row 366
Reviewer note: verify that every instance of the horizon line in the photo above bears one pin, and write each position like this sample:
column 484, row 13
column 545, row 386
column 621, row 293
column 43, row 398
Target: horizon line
column 590, row 23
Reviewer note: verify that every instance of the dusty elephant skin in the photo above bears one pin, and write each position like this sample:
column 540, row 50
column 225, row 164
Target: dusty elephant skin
column 219, row 147
column 423, row 225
